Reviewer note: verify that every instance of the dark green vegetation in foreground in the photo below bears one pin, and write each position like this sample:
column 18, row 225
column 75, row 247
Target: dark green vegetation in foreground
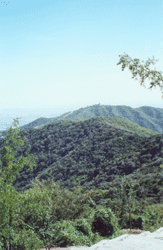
column 88, row 166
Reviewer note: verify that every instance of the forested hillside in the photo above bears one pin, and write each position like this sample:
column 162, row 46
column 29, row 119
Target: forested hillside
column 103, row 165
column 94, row 154
column 147, row 117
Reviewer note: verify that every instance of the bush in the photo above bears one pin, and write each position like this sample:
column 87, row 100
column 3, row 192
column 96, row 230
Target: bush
column 66, row 234
column 26, row 240
column 153, row 217
column 83, row 226
column 136, row 221
column 105, row 222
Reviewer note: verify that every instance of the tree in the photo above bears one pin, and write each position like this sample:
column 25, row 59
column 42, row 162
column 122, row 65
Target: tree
column 143, row 71
column 126, row 198
column 36, row 210
column 9, row 197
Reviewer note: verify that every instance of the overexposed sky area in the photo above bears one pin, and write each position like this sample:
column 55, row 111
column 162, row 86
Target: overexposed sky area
column 58, row 56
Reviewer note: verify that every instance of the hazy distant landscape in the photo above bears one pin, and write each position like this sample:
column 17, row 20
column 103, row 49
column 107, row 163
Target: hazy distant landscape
column 147, row 117
column 6, row 120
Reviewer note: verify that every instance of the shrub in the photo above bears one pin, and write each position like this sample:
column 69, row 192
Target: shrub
column 136, row 221
column 153, row 217
column 26, row 240
column 104, row 222
column 66, row 234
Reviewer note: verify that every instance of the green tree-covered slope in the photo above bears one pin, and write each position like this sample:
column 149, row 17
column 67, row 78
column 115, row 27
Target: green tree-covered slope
column 94, row 154
column 147, row 117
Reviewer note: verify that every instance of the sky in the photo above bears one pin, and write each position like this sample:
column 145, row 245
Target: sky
column 59, row 56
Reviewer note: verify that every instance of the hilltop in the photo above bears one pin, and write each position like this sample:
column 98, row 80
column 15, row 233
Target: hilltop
column 94, row 154
column 146, row 117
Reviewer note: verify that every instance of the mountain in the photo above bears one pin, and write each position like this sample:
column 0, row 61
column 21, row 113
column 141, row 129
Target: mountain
column 147, row 117
column 95, row 153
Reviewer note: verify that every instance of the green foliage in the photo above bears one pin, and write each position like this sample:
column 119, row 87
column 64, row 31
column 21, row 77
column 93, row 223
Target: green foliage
column 143, row 70
column 105, row 222
column 161, row 166
column 69, row 233
column 70, row 204
column 95, row 155
column 26, row 239
column 47, row 213
column 135, row 220
column 125, row 200
column 44, row 206
column 153, row 217
column 36, row 210
column 9, row 197
column 83, row 226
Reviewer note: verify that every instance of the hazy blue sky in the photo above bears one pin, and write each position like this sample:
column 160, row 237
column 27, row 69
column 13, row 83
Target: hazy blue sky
column 58, row 56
